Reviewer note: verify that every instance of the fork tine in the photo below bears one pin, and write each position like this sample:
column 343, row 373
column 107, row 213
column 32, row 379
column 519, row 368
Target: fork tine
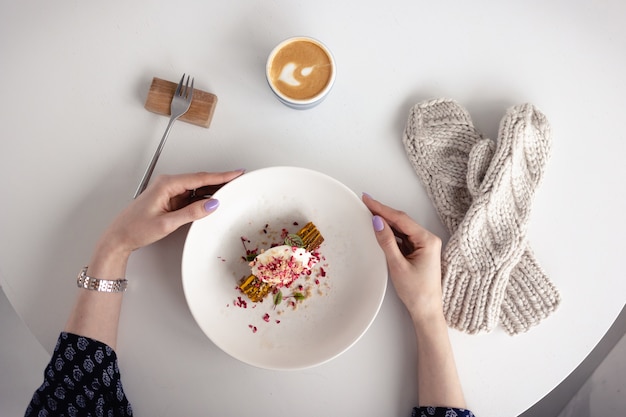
column 190, row 93
column 186, row 90
column 178, row 87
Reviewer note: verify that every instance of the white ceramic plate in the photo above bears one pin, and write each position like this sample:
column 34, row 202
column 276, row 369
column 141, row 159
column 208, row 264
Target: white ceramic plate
column 339, row 310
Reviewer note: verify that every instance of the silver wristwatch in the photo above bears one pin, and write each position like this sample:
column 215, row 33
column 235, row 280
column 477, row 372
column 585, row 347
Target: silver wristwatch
column 103, row 285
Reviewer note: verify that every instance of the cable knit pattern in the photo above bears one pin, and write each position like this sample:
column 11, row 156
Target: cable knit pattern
column 452, row 158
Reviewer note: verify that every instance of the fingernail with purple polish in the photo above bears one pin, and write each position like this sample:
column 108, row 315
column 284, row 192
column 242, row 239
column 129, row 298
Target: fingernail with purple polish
column 377, row 222
column 368, row 195
column 211, row 205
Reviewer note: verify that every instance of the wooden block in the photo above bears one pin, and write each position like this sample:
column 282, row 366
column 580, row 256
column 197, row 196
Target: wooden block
column 160, row 98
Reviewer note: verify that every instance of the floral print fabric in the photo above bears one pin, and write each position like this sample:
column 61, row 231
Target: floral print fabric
column 441, row 412
column 82, row 379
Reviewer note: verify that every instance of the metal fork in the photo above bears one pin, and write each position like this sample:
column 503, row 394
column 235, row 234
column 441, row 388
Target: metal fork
column 180, row 104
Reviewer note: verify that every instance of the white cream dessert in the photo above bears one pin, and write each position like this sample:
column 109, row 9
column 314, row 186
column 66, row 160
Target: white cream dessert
column 281, row 265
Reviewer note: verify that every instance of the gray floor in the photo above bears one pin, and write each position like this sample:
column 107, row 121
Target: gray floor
column 604, row 393
column 597, row 388
column 22, row 360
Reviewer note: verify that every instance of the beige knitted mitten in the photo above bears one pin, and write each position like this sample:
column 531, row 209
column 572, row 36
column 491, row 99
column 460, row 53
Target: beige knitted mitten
column 438, row 139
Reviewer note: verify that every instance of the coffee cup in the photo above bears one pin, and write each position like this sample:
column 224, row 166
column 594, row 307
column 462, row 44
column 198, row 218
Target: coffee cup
column 300, row 72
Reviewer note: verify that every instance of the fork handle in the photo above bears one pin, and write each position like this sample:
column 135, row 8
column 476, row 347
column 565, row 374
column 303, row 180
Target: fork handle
column 146, row 176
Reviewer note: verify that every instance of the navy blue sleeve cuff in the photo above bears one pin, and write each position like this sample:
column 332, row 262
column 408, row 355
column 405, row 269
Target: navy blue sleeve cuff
column 82, row 379
column 441, row 412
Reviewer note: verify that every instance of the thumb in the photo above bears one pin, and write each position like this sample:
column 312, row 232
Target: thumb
column 387, row 240
column 479, row 159
column 193, row 211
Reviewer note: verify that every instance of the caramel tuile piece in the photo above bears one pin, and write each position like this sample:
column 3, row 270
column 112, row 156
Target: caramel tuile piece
column 160, row 97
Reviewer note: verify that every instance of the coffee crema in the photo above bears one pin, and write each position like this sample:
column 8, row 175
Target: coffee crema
column 300, row 69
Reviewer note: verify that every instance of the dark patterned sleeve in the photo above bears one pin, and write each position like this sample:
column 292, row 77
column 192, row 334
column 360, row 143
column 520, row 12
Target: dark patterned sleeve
column 82, row 379
column 441, row 412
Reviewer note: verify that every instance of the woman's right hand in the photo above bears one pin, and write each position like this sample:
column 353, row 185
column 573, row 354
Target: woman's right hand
column 163, row 207
column 413, row 258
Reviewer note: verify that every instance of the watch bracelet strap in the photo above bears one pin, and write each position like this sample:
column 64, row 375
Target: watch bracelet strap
column 101, row 285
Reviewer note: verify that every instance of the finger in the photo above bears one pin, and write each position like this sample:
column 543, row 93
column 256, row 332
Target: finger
column 192, row 212
column 179, row 184
column 397, row 219
column 191, row 196
column 202, row 179
column 207, row 191
column 387, row 241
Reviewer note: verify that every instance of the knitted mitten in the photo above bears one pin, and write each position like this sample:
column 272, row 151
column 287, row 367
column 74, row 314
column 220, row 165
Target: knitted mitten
column 438, row 140
column 491, row 238
column 530, row 295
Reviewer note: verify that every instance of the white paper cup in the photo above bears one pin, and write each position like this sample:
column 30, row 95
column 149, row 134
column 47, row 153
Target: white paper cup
column 301, row 72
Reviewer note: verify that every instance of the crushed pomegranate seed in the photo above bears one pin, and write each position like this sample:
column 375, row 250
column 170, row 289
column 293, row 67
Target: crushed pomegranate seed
column 240, row 302
column 266, row 318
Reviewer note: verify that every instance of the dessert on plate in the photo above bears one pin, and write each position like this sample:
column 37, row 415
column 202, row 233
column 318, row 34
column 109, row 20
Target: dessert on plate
column 281, row 265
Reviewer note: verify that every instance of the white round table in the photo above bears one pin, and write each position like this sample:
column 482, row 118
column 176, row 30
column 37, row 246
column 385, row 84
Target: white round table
column 76, row 140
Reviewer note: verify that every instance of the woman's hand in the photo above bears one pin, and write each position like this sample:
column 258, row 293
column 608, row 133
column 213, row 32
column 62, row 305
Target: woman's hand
column 163, row 207
column 413, row 258
column 168, row 203
column 414, row 261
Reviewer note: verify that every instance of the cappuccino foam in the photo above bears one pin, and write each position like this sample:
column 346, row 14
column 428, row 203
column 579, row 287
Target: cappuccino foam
column 301, row 69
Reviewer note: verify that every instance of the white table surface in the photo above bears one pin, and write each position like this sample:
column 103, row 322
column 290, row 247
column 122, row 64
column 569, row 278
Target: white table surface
column 76, row 140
